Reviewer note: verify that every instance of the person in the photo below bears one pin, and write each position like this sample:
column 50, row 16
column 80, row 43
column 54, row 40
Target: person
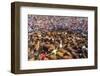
column 42, row 56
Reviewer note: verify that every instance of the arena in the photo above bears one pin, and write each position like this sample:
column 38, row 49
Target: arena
column 57, row 37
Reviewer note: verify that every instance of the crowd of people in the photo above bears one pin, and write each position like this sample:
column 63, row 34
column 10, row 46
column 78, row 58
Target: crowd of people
column 57, row 37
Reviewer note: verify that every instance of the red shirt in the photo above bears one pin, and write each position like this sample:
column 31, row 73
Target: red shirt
column 42, row 56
